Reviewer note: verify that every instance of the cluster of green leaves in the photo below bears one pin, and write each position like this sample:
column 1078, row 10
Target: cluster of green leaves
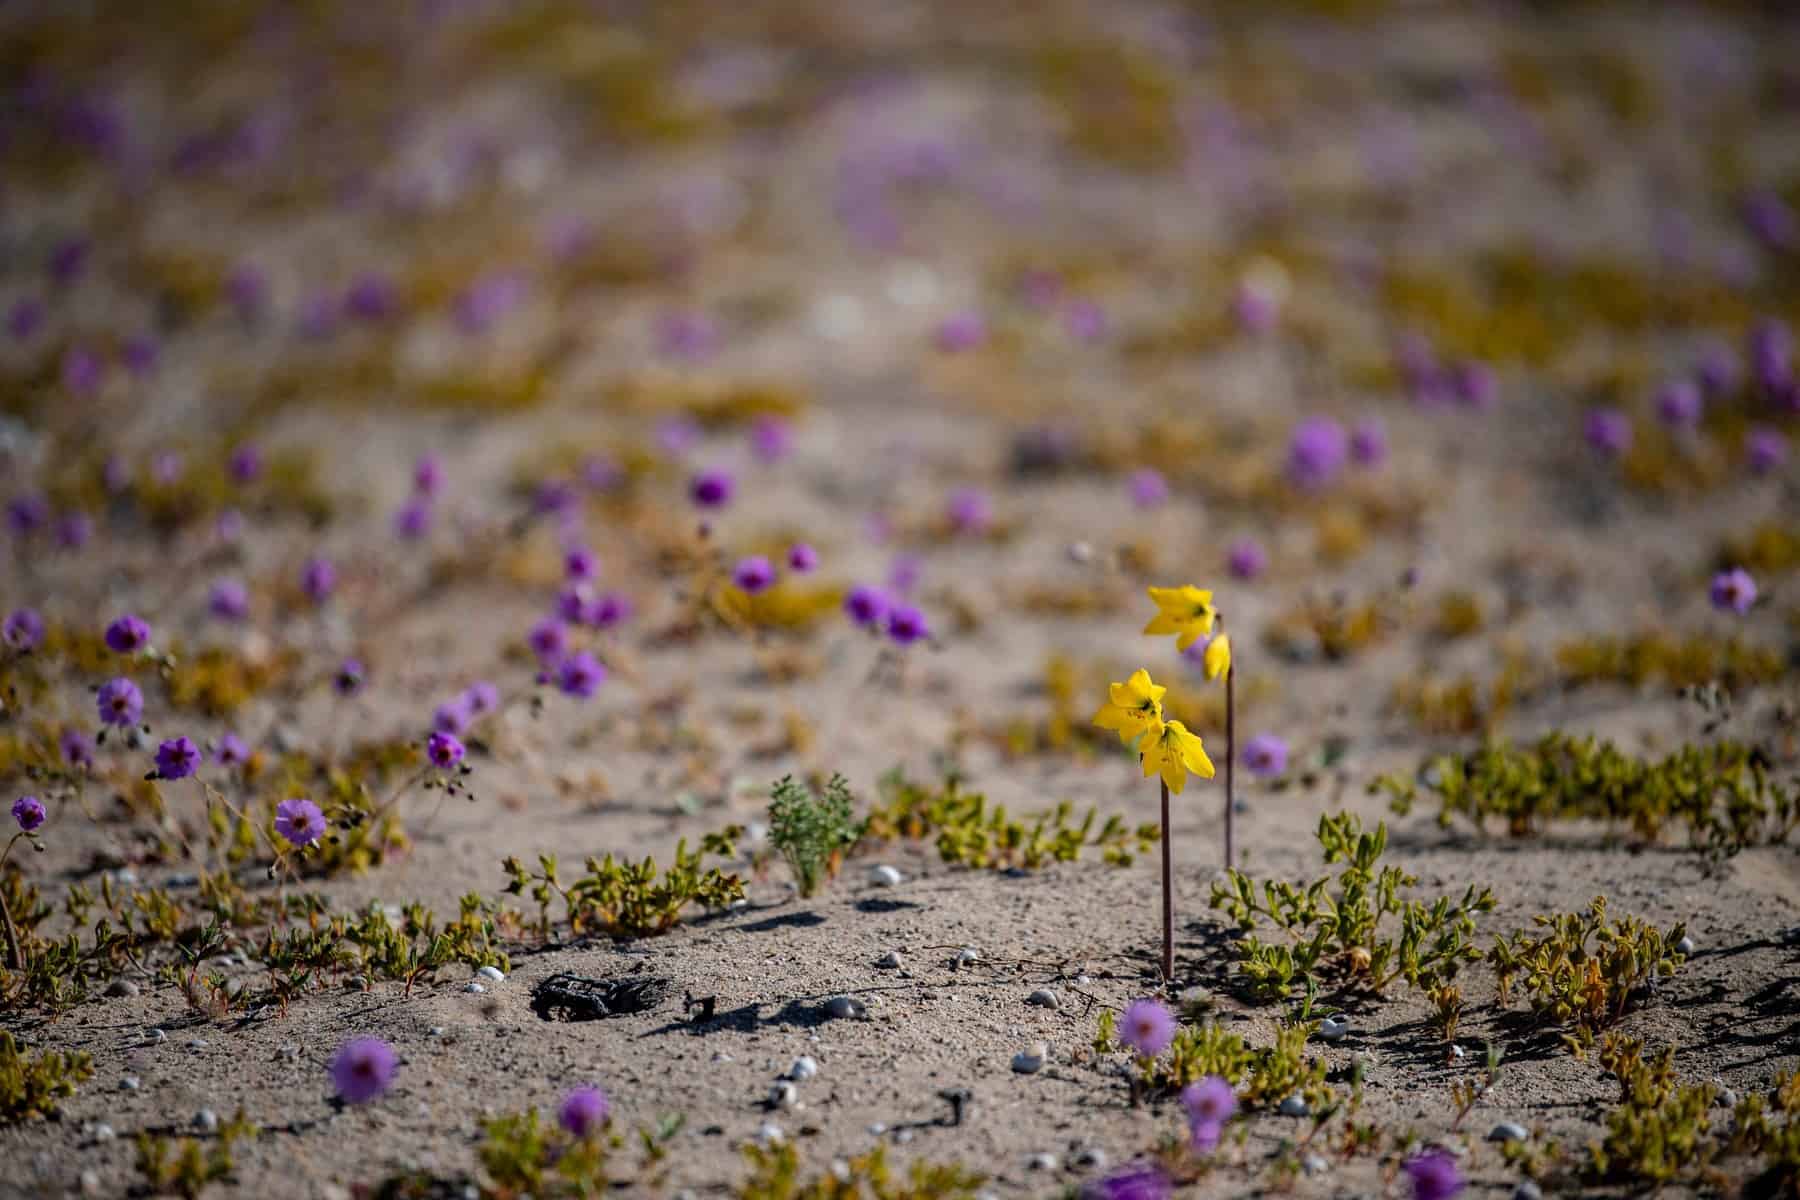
column 1334, row 924
column 378, row 947
column 775, row 1174
column 521, row 1156
column 626, row 899
column 973, row 833
column 1584, row 987
column 1693, row 660
column 1263, row 1075
column 31, row 1087
column 1724, row 792
column 185, row 1166
column 811, row 830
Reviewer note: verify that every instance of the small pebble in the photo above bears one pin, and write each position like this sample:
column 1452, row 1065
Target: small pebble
column 877, row 1128
column 155, row 1037
column 1726, row 1098
column 473, row 988
column 889, row 961
column 1527, row 1190
column 491, row 973
column 1507, row 1131
column 968, row 956
column 1314, row 1164
column 883, row 875
column 769, row 1134
column 129, row 1084
column 436, row 1031
column 1685, row 946
column 1041, row 1162
column 1092, row 1157
column 903, row 1136
column 1195, row 997
column 90, row 1182
column 1042, row 998
column 1457, row 1052
column 1030, row 1062
column 783, row 1095
column 804, row 1068
column 104, row 1133
column 1295, row 1106
column 206, row 1119
column 1331, row 1029
column 846, row 1008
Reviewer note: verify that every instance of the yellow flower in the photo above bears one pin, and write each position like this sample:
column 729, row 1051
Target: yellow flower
column 1135, row 707
column 1218, row 656
column 1173, row 752
column 1187, row 612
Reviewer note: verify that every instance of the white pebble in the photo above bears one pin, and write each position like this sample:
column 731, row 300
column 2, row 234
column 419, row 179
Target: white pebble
column 968, row 956
column 804, row 1068
column 491, row 973
column 1042, row 998
column 1314, row 1164
column 206, row 1119
column 128, row 1084
column 846, row 1008
column 1030, row 1062
column 1333, row 1030
column 1457, row 1052
column 1295, row 1106
column 877, row 1128
column 474, row 988
column 883, row 875
column 90, row 1182
column 903, row 1136
column 1041, row 1162
column 769, row 1134
column 104, row 1133
column 890, row 960
column 1507, row 1131
column 783, row 1095
column 1685, row 946
column 155, row 1037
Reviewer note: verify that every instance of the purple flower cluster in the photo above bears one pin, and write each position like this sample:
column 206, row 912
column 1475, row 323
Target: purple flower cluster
column 1316, row 452
column 1147, row 1027
column 1210, row 1103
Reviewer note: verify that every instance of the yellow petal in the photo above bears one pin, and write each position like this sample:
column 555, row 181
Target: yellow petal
column 1218, row 656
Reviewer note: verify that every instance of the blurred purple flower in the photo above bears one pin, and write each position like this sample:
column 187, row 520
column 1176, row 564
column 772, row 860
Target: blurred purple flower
column 25, row 317
column 73, row 530
column 866, row 606
column 686, row 336
column 1147, row 1027
column 230, row 751
column 444, row 750
column 1246, row 559
column 1733, row 591
column 584, row 1111
column 548, row 639
column 300, row 821
column 427, row 475
column 580, row 675
column 1136, row 1181
column 177, row 758
column 1765, row 449
column 712, row 488
column 83, row 371
column 961, row 331
column 1266, row 756
column 363, row 1069
column 1085, row 320
column 802, row 558
column 140, row 354
column 1368, row 442
column 771, row 439
column 970, row 511
column 127, row 634
column 23, row 629
column 1475, row 384
column 413, row 520
column 1434, row 1175
column 77, row 749
column 488, row 301
column 753, row 574
column 1316, row 452
column 245, row 463
column 1148, row 488
column 1678, row 404
column 318, row 579
column 1608, row 431
column 119, row 702
column 229, row 600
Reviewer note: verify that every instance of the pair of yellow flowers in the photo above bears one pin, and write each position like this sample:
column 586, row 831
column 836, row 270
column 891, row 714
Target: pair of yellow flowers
column 1134, row 708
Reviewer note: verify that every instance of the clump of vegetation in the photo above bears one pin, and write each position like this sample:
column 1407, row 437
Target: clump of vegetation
column 521, row 1156
column 626, row 899
column 1328, row 629
column 1333, row 924
column 775, row 1175
column 185, row 1166
column 1693, row 660
column 1464, row 704
column 1263, row 1076
column 812, row 830
column 1584, row 988
column 972, row 833
column 1723, row 792
column 31, row 1087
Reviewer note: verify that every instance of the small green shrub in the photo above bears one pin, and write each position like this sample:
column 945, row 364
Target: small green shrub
column 812, row 831
column 775, row 1175
column 625, row 899
column 30, row 1088
column 521, row 1156
column 185, row 1166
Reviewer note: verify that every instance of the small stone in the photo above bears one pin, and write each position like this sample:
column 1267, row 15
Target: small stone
column 888, row 961
column 1685, row 946
column 1527, row 1190
column 1457, row 1052
column 769, row 1134
column 846, row 1008
column 804, row 1068
column 90, row 1182
column 491, row 973
column 1295, row 1106
column 206, row 1119
column 1314, row 1164
column 968, row 956
column 783, row 1095
column 1081, row 553
column 1091, row 1157
column 121, row 987
column 1030, row 1062
column 129, row 1084
column 882, row 875
column 1041, row 1162
column 1042, row 998
column 1332, row 1029
column 436, row 1031
column 104, row 1133
column 196, row 1043
column 1507, row 1131
column 1726, row 1098
column 473, row 988
column 288, row 1052
column 1194, row 998
column 155, row 1037
column 903, row 1136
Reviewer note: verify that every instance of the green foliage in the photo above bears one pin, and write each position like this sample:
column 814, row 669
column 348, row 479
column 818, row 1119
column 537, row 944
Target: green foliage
column 31, row 1087
column 1581, row 987
column 378, row 947
column 1263, row 1075
column 1677, row 661
column 1723, row 792
column 1333, row 925
column 625, row 899
column 812, row 831
column 521, row 1156
column 971, row 832
column 185, row 1166
column 775, row 1175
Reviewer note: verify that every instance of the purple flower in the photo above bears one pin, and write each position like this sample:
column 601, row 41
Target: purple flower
column 580, row 564
column 1148, row 488
column 1203, row 1136
column 68, row 258
column 584, row 1111
column 1475, row 384
column 678, row 435
column 906, row 625
column 904, row 572
column 363, row 1069
column 73, row 530
column 127, row 634
column 711, row 488
column 428, row 475
column 245, row 464
column 601, row 474
column 1771, row 354
column 1608, row 431
column 1733, row 591
column 318, row 579
column 413, row 520
column 26, row 514
column 230, row 526
column 120, row 703
column 753, row 574
column 1266, row 755
column 970, row 510
column 575, row 603
column 487, row 301
column 867, row 606
column 1085, row 320
column 1316, row 452
column 25, row 317
column 1147, row 1027
column 1136, row 1181
column 1368, row 442
column 247, row 289
column 231, row 751
column 612, row 608
column 1246, row 559
column 140, row 353
column 771, row 438
column 1256, row 308
column 580, row 675
column 548, row 639
column 452, row 716
column 229, row 601
column 1434, row 1175
column 319, row 315
column 166, row 468
column 443, row 749
column 1717, row 370
column 28, row 811
column 177, row 758
column 77, row 748
column 962, row 331
column 553, row 496
column 372, row 297
column 23, row 629
column 1210, row 1100
column 690, row 337
column 1678, row 404
column 300, row 821
column 349, row 678
column 802, row 558
column 1765, row 449
column 1770, row 219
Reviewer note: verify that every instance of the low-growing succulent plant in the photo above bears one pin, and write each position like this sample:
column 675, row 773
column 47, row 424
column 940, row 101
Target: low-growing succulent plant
column 187, row 1166
column 812, row 830
column 30, row 1087
column 625, row 899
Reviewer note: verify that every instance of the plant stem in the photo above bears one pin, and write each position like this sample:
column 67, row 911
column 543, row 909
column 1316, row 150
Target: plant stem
column 14, row 959
column 1168, row 896
column 1230, row 757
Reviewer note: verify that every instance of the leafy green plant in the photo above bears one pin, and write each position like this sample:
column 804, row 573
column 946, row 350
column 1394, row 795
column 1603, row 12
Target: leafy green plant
column 31, row 1087
column 775, row 1175
column 972, row 833
column 1582, row 970
column 625, row 899
column 1725, row 793
column 811, row 830
column 1334, row 924
column 1263, row 1075
column 521, row 1156
column 185, row 1166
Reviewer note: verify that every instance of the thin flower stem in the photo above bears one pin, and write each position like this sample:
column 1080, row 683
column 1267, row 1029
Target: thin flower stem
column 1168, row 895
column 15, row 960
column 1230, row 757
